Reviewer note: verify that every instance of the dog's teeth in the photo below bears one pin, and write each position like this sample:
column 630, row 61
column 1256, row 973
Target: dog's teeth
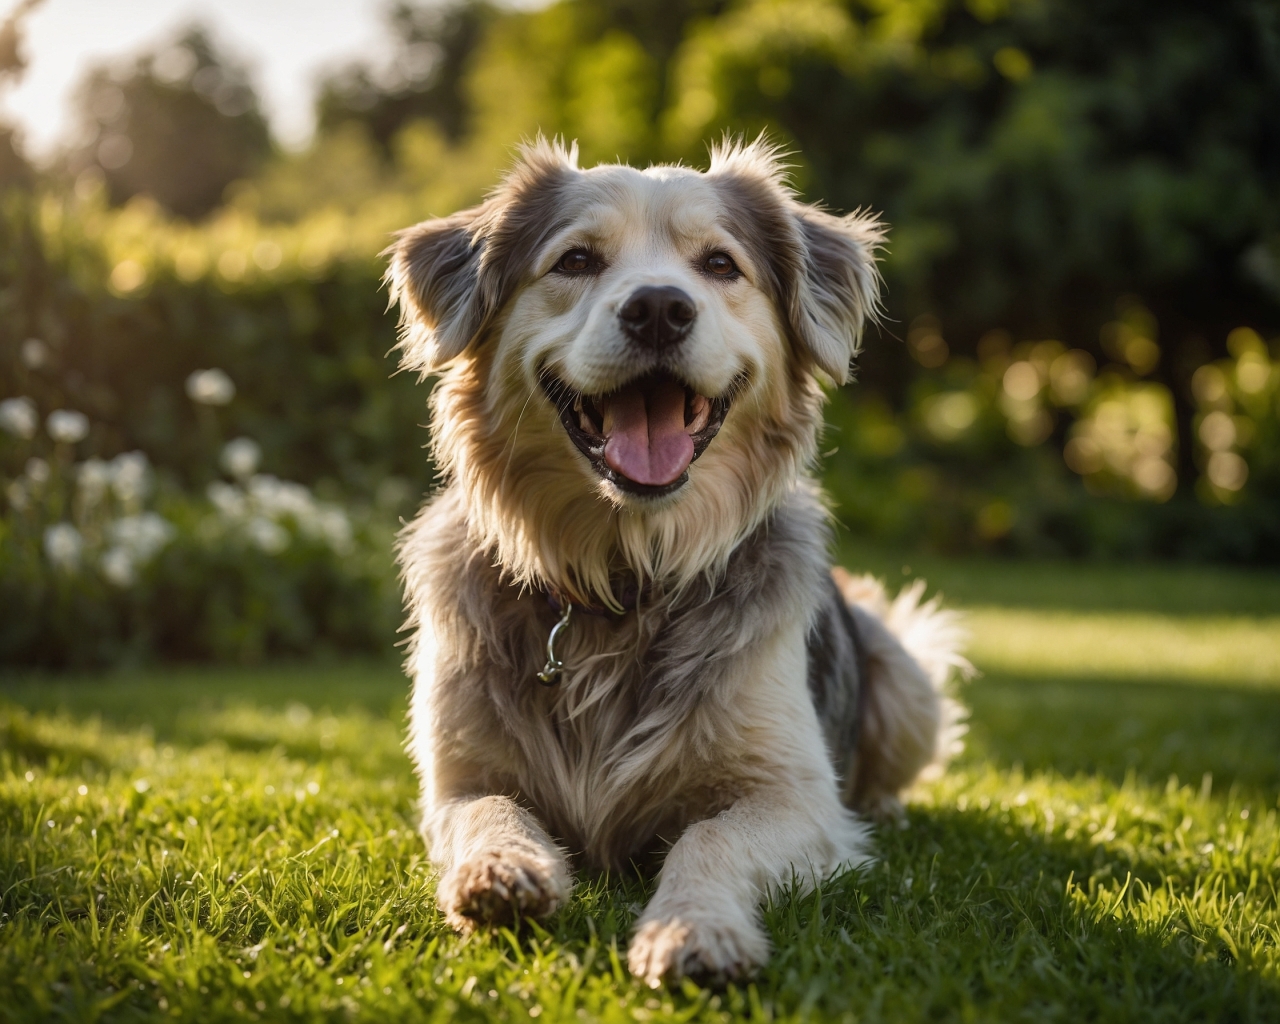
column 701, row 413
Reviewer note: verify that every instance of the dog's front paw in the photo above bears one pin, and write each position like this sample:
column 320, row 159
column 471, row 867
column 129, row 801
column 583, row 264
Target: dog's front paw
column 884, row 808
column 684, row 946
column 497, row 886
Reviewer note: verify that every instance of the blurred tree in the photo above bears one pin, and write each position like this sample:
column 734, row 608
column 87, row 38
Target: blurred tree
column 14, row 169
column 1037, row 160
column 619, row 81
column 423, row 80
column 342, row 168
column 1083, row 207
column 596, row 69
column 179, row 126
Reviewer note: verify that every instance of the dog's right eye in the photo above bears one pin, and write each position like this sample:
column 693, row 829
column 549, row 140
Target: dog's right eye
column 577, row 261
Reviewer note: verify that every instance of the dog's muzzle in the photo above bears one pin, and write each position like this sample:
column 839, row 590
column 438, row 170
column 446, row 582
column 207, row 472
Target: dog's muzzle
column 643, row 436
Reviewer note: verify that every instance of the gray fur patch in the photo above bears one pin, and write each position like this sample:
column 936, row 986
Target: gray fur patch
column 434, row 275
column 837, row 682
column 819, row 269
column 758, row 216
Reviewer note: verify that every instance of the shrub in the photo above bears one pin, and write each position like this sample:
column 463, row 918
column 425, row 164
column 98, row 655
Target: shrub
column 99, row 565
column 1028, row 450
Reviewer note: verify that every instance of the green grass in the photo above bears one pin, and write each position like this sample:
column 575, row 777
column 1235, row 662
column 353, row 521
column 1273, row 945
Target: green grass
column 230, row 845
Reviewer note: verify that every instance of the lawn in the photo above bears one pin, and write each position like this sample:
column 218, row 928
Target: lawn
column 229, row 845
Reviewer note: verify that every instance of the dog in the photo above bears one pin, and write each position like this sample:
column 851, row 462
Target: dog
column 627, row 639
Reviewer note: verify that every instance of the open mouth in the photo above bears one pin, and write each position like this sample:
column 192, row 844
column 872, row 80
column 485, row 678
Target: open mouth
column 642, row 436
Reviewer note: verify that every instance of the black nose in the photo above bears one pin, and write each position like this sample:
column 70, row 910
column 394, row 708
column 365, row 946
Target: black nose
column 657, row 317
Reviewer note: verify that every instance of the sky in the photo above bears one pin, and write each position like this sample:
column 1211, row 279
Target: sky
column 287, row 42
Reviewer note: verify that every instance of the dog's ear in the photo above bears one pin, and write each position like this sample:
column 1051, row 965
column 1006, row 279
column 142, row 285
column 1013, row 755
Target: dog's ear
column 453, row 275
column 820, row 269
column 434, row 275
column 838, row 289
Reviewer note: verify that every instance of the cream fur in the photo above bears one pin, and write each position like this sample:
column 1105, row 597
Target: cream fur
column 688, row 721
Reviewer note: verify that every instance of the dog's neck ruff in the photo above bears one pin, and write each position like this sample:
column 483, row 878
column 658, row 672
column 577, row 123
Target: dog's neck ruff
column 624, row 589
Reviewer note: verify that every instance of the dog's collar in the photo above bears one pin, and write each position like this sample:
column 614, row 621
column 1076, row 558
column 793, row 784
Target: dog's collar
column 626, row 593
column 624, row 589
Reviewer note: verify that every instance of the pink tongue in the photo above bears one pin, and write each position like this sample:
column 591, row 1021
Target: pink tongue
column 645, row 439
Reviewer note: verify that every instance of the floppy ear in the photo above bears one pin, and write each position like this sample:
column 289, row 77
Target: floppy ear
column 838, row 289
column 435, row 277
column 820, row 269
column 451, row 276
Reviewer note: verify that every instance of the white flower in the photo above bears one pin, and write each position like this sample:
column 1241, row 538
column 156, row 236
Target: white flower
column 240, row 457
column 227, row 499
column 210, row 387
column 93, row 477
column 270, row 536
column 66, row 426
column 35, row 353
column 63, row 545
column 278, row 498
column 18, row 417
column 37, row 471
column 117, row 566
column 334, row 527
column 267, row 510
column 141, row 536
column 130, row 476
column 134, row 541
column 17, row 495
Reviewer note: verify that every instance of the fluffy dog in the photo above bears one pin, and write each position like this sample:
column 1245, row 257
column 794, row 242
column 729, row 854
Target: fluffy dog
column 628, row 403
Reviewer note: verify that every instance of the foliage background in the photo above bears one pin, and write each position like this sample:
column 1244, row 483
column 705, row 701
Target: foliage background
column 1082, row 281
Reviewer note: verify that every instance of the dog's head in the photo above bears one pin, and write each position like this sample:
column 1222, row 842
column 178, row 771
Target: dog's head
column 599, row 331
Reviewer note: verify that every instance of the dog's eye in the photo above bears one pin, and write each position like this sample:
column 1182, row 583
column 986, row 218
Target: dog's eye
column 721, row 264
column 577, row 261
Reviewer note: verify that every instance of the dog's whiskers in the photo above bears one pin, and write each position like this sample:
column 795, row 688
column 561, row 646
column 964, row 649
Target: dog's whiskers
column 510, row 445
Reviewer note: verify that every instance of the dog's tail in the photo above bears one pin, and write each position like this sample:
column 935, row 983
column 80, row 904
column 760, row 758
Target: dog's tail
column 911, row 722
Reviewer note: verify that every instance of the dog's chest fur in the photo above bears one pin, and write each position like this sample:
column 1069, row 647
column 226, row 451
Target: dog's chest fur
column 642, row 734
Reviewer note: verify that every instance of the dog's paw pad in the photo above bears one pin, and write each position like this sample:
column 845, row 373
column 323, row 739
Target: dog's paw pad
column 683, row 947
column 498, row 886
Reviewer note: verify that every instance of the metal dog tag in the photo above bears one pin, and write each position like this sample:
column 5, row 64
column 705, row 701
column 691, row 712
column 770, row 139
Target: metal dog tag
column 550, row 674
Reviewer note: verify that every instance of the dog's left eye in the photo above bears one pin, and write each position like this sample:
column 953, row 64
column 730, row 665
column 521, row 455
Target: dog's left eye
column 721, row 264
column 577, row 261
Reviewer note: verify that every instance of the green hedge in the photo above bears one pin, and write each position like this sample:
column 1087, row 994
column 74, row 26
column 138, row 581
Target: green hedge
column 308, row 351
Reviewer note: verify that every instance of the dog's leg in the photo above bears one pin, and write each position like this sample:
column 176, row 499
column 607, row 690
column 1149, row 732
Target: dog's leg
column 496, row 863
column 789, row 824
column 704, row 919
column 495, row 859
